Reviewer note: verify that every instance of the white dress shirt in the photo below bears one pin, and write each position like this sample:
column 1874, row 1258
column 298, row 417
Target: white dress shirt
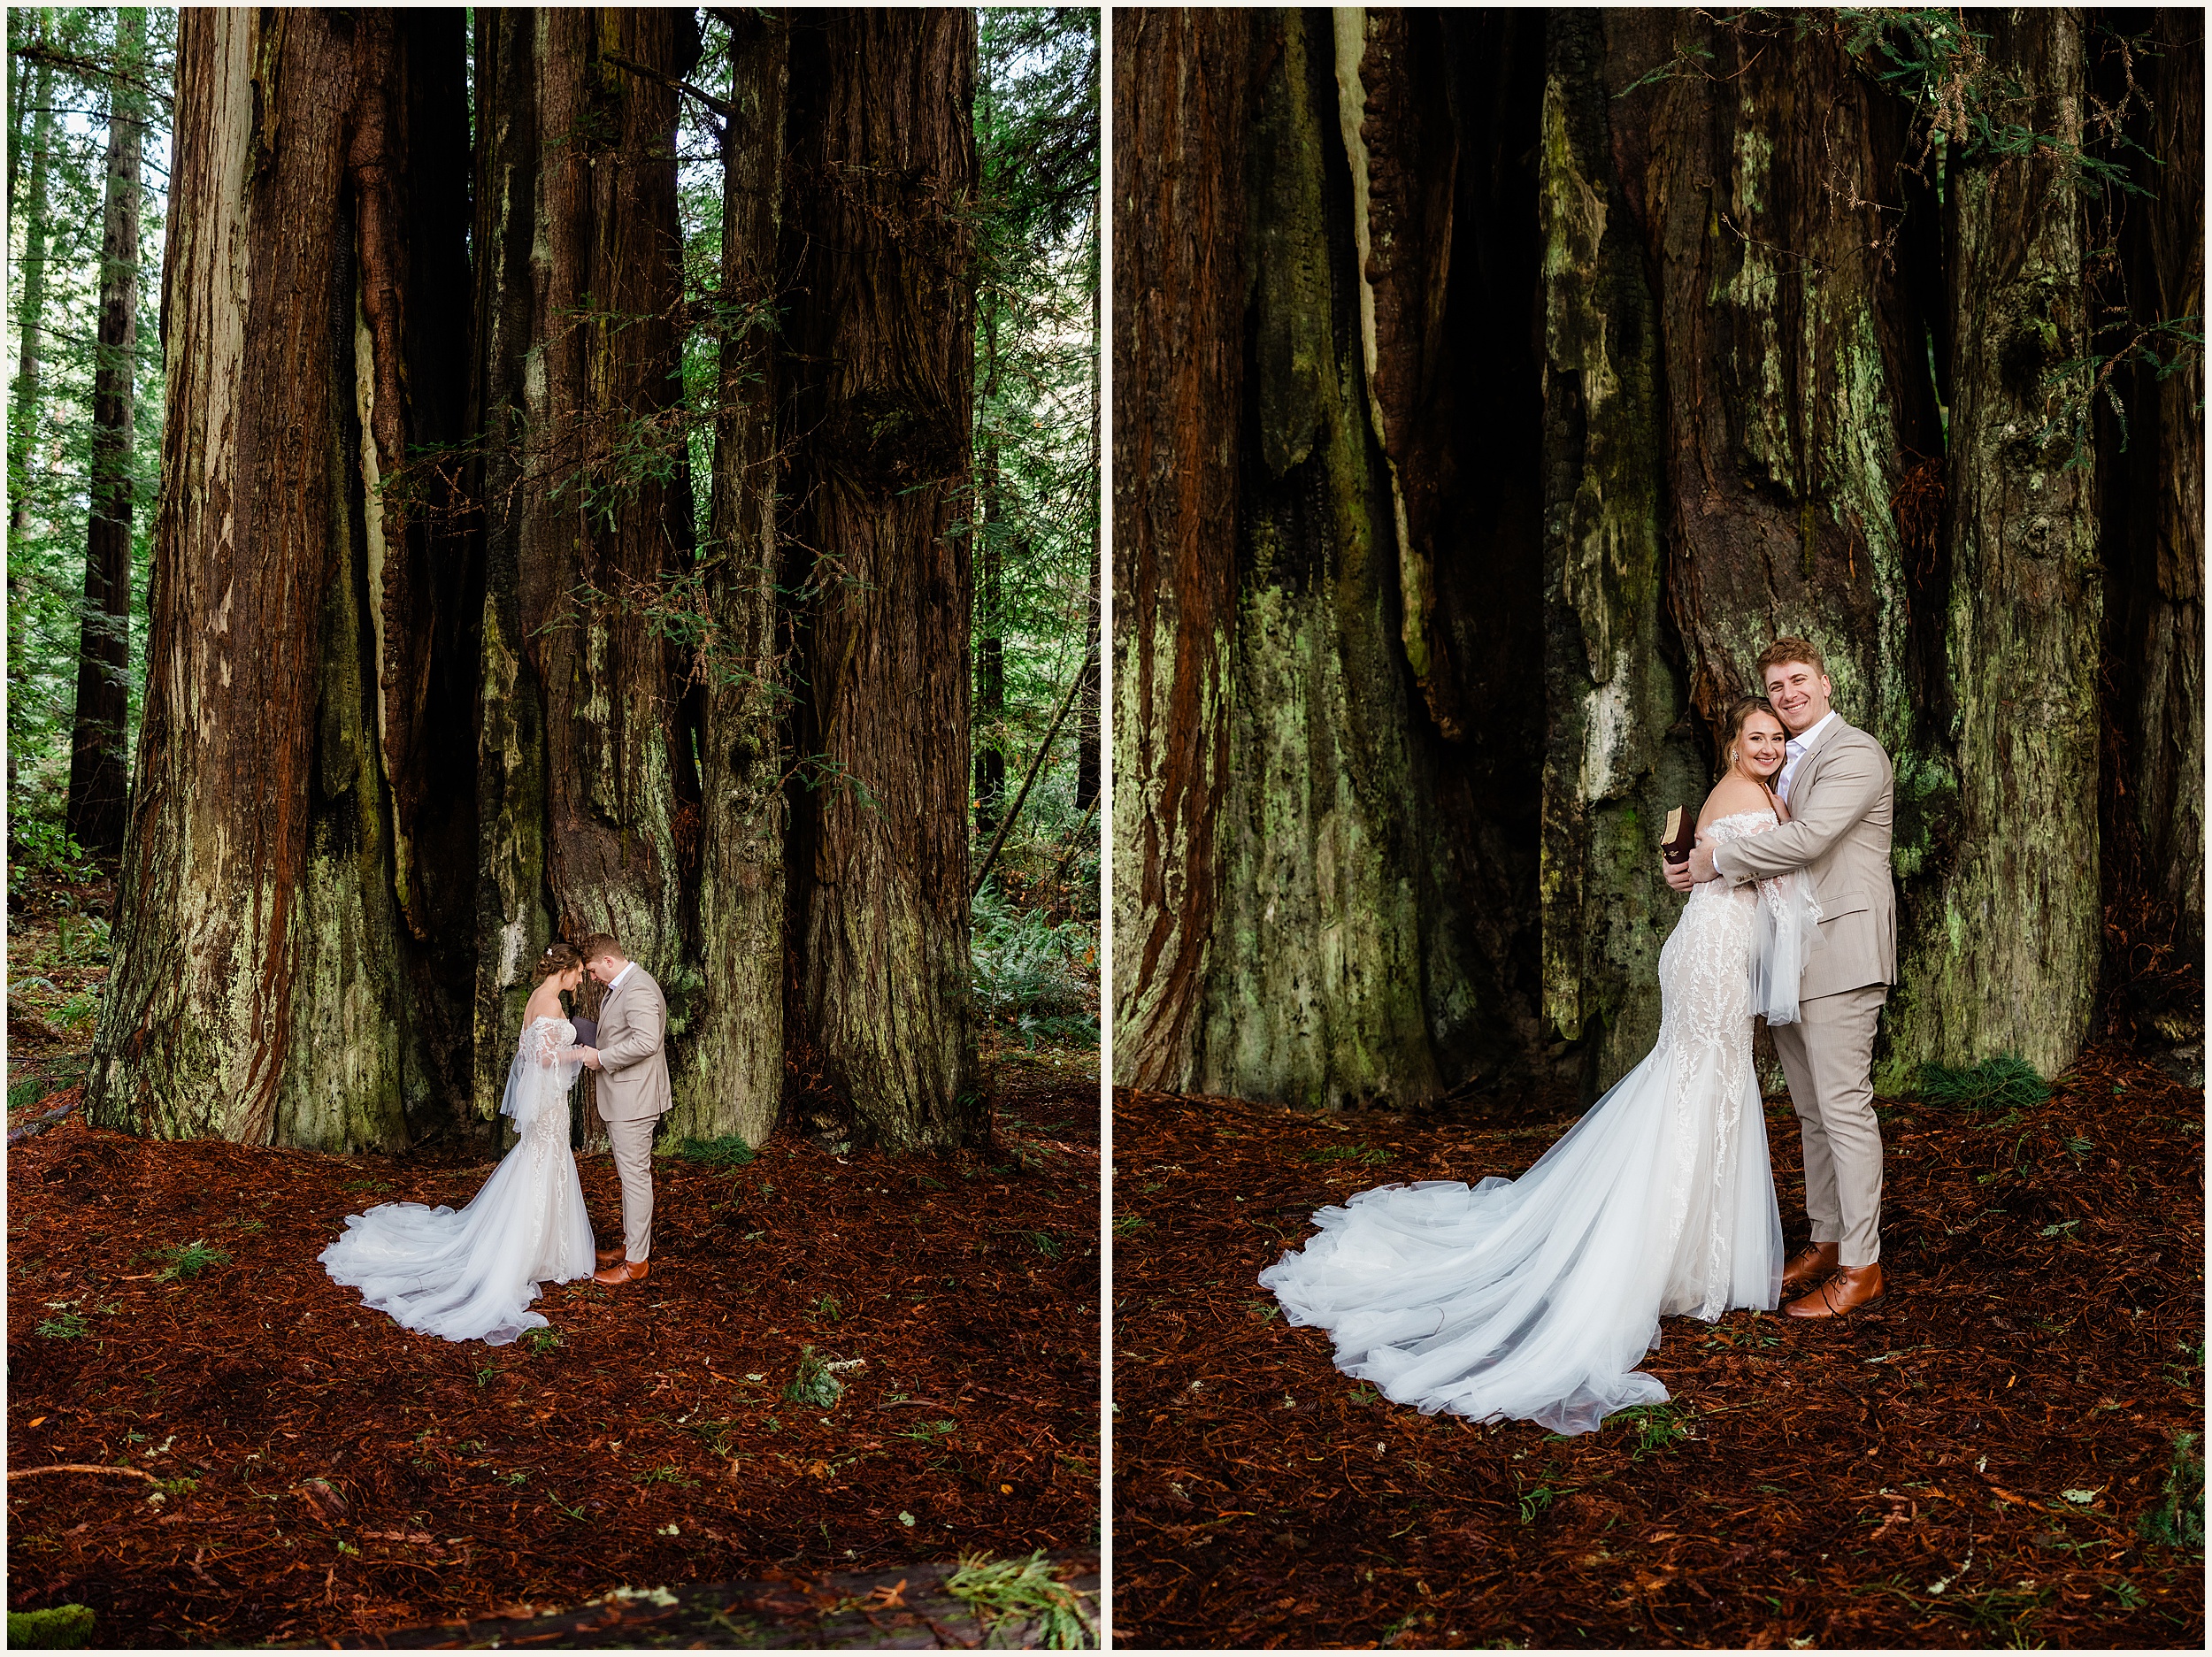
column 628, row 967
column 1792, row 750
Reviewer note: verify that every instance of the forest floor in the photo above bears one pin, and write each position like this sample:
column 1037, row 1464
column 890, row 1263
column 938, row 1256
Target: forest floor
column 1987, row 1455
column 302, row 1470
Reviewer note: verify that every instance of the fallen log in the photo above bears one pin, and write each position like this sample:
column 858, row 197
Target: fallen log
column 904, row 1608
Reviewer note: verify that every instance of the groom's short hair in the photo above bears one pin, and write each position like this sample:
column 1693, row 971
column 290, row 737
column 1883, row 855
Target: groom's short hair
column 1783, row 649
column 600, row 944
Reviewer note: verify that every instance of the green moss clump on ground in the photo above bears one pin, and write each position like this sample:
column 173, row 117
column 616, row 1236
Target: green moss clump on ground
column 58, row 1628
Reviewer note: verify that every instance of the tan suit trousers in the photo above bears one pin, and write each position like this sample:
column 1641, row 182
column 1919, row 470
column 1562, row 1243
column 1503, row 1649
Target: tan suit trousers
column 633, row 1145
column 1829, row 1058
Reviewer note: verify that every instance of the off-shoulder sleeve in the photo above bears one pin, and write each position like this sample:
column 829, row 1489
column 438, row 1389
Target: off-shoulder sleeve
column 543, row 1044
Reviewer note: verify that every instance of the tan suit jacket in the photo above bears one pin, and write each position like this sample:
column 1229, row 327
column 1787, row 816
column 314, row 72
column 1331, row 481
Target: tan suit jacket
column 1840, row 801
column 632, row 1054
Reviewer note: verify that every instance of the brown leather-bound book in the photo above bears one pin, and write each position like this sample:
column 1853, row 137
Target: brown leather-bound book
column 1681, row 836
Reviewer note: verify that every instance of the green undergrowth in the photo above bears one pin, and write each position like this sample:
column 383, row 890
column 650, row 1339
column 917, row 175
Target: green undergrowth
column 2006, row 1083
column 1006, row 1590
column 728, row 1151
column 2178, row 1520
column 1035, row 974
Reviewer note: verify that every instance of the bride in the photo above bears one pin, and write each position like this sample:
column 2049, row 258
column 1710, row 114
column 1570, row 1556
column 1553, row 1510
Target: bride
column 470, row 1275
column 1535, row 1297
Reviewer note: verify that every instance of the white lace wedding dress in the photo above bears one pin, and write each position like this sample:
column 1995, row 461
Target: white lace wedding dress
column 1535, row 1297
column 470, row 1274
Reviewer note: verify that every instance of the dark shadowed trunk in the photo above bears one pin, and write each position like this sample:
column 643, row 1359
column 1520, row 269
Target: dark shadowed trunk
column 1316, row 650
column 98, row 771
column 2151, row 454
column 268, row 985
column 882, row 341
column 990, row 652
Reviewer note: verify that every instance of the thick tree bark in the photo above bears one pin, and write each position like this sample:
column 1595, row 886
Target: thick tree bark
column 1180, row 115
column 1491, row 599
column 731, row 1079
column 2004, row 955
column 266, row 986
column 1797, row 403
column 880, row 338
column 1613, row 759
column 1305, row 730
column 99, row 776
column 589, row 801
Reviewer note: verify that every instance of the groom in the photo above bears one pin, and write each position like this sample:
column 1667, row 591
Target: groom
column 633, row 1067
column 1836, row 781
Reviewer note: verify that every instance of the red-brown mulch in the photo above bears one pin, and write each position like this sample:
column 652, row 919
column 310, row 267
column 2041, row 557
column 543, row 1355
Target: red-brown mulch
column 653, row 1444
column 1967, row 1462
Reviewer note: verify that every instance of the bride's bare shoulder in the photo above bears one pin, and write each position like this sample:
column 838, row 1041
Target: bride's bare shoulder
column 1731, row 795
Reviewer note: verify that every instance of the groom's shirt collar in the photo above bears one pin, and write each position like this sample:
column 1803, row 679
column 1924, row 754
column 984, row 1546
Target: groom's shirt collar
column 1796, row 748
column 628, row 967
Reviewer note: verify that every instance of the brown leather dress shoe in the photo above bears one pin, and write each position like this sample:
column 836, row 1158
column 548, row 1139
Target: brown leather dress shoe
column 1808, row 1266
column 1852, row 1287
column 616, row 1256
column 627, row 1271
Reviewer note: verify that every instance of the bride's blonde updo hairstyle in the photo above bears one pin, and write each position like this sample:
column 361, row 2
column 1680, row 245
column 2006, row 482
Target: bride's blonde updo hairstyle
column 1742, row 709
column 558, row 958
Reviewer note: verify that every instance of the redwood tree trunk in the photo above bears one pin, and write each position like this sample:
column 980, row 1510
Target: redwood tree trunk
column 1180, row 112
column 1798, row 409
column 31, row 302
column 882, row 341
column 588, row 782
column 1315, row 777
column 2004, row 954
column 267, row 985
column 98, row 774
column 2153, row 454
column 731, row 1077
